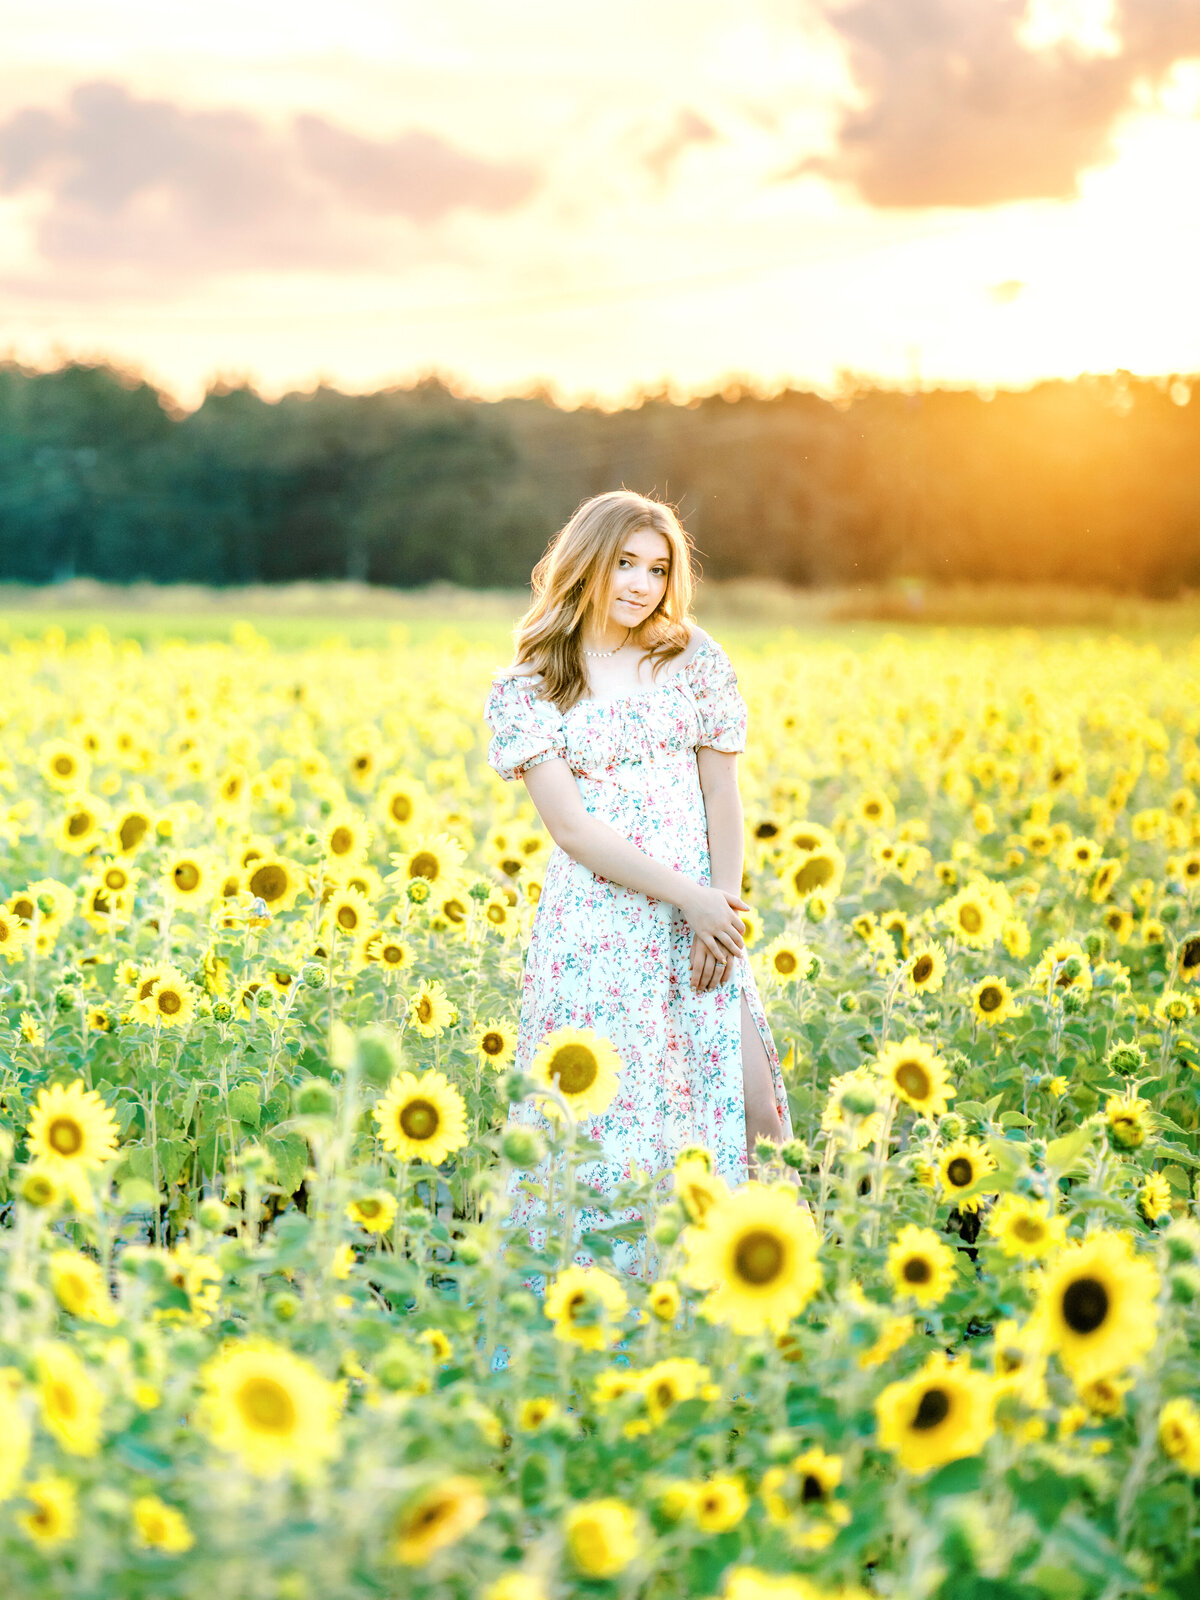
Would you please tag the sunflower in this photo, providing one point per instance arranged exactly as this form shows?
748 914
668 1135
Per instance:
1019 1366
698 1187
582 1066
158 1526
874 810
71 1403
1154 1197
79 1286
55 1515
1105 876
435 1517
668 1382
347 836
438 858
71 1133
1054 961
274 880
926 968
270 1408
375 1212
942 1413
807 872
856 1128
963 1164
664 1300
131 829
386 950
496 1043
917 1074
422 1119
1179 1433
1097 1306
41 1187
171 1001
64 766
403 803
1128 1120
348 913
786 959
719 1504
583 1303
13 935
499 912
971 917
992 1001
757 1256
798 1497
1027 1229
1187 960
430 1010
190 879
450 912
81 827
601 1537
921 1266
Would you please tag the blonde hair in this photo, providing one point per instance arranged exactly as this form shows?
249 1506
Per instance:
573 581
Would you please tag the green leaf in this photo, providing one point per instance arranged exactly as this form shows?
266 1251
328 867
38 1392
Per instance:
1014 1119
1063 1154
244 1105
289 1151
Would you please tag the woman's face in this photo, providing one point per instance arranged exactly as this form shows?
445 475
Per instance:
640 578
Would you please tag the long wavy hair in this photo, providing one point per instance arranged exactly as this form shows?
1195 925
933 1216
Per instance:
573 582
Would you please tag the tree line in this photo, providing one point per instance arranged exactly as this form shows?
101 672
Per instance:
1093 481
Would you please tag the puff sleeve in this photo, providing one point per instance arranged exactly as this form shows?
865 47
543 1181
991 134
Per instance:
713 682
525 730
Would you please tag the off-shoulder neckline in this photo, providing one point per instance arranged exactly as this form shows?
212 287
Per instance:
706 639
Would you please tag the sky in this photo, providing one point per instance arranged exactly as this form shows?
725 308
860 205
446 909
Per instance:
596 199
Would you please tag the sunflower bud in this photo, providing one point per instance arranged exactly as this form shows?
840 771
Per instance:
1093 943
313 975
469 1251
781 1446
1074 1003
816 908
254 1160
417 1219
524 1147
953 1126
795 1154
213 1216
45 904
1170 911
521 1306
848 1002
398 1367
765 1150
377 1058
64 1000
314 1098
480 889
669 1223
1185 1286
516 1086
419 890
859 1100
1071 968
222 1011
1126 1058
284 1306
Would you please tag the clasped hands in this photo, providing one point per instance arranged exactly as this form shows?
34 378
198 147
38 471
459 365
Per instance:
717 935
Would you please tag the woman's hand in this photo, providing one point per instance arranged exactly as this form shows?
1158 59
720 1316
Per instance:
716 926
707 971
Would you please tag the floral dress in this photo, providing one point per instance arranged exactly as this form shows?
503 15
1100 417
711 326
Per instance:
608 958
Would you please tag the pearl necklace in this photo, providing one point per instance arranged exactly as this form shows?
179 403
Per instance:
621 646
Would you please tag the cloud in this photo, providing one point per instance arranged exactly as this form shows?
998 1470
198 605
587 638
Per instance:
959 111
132 186
688 128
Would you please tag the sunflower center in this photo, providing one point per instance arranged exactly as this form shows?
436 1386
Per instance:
347 918
812 874
970 919
424 1009
62 1399
759 1257
65 1135
574 1068
922 969
267 1406
1085 1305
392 955
187 876
401 807
960 1172
1029 1229
114 880
64 766
423 865
269 882
169 1002
419 1119
785 961
340 841
79 824
811 1489
132 831
1191 954
933 1409
990 999
664 1395
913 1079
917 1270
492 1044
369 1208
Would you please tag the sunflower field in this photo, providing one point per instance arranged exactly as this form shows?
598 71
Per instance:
267 1329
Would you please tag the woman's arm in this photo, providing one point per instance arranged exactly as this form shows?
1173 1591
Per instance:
726 846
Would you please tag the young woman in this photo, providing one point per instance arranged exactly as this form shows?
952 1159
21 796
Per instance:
624 719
